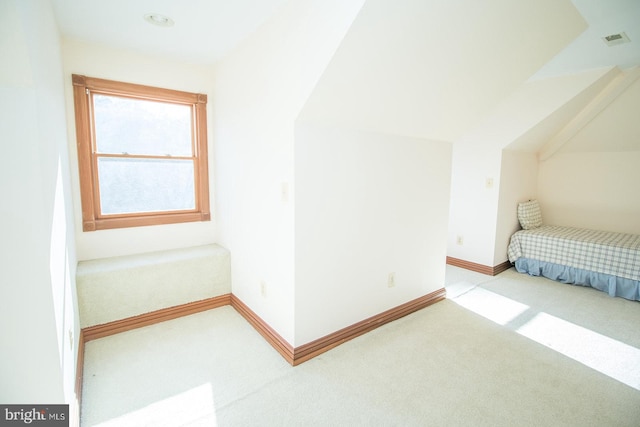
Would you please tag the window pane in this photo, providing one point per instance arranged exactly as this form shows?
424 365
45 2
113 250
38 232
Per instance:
145 185
136 126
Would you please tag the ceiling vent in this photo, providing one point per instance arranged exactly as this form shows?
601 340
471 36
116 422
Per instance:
616 39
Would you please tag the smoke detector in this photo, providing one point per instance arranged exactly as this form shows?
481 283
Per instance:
616 39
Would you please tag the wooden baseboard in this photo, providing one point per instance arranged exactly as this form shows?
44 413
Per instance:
123 325
269 334
479 268
293 356
497 269
297 355
326 343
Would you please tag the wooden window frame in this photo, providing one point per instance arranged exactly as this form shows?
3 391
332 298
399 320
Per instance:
92 218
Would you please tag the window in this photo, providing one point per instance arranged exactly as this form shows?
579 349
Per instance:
142 154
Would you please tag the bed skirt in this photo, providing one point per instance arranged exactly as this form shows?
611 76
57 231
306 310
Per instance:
613 285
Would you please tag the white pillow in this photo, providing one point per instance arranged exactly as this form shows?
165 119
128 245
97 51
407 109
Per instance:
529 214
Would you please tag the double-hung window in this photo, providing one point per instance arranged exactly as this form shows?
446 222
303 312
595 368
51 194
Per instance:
142 154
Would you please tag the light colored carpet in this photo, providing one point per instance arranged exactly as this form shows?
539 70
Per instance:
478 359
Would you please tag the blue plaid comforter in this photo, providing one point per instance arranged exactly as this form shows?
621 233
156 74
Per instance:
617 254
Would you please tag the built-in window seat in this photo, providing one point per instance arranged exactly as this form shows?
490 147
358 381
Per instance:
117 288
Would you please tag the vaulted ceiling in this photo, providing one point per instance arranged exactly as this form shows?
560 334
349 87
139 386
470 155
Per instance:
205 30
424 68
589 51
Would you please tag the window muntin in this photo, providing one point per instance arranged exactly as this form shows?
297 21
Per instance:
142 154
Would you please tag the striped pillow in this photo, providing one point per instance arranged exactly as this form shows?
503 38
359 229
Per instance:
529 214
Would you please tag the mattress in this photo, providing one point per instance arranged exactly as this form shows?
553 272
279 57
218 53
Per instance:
601 251
605 260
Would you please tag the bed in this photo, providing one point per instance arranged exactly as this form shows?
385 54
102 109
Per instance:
607 261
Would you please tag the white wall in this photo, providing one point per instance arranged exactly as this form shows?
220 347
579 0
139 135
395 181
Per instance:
404 69
593 180
597 190
518 183
474 203
367 205
114 64
483 215
260 90
38 338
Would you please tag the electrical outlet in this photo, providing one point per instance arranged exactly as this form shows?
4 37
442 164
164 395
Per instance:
460 240
391 280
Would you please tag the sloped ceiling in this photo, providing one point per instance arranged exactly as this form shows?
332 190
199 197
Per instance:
540 109
206 30
588 51
432 69
426 68
615 129
533 139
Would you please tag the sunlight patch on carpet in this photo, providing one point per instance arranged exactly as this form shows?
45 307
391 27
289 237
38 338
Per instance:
494 307
192 407
606 355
